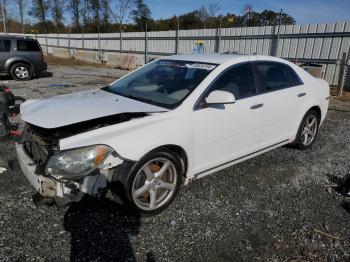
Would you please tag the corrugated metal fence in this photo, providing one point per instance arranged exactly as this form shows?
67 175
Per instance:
318 43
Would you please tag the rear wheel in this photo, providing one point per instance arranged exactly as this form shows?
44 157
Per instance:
308 130
153 182
21 72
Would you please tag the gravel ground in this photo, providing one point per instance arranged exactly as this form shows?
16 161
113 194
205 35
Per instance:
276 207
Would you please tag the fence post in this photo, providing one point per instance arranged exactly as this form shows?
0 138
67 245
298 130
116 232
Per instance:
46 43
346 81
146 43
177 41
120 41
177 37
342 74
217 40
82 40
69 44
274 41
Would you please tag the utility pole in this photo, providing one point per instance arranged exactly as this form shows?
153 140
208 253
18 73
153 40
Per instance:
3 15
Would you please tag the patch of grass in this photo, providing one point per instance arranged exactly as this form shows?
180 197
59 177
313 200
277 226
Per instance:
344 98
61 61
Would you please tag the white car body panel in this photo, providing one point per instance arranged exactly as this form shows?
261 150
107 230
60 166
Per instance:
78 107
212 138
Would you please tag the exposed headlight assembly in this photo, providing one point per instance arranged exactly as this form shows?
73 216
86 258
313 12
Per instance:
77 163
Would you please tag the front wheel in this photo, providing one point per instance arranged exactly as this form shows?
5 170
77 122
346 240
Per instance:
308 130
153 182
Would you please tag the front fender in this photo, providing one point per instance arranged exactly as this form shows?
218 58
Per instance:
135 138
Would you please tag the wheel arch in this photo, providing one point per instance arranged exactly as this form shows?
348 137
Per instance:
180 151
312 106
318 110
15 60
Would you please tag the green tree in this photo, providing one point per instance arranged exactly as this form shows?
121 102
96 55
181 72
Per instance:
74 6
122 6
105 13
57 13
140 14
39 10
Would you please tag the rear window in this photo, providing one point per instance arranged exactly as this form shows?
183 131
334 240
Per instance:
293 77
27 45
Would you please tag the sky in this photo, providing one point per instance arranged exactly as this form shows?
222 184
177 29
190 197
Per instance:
304 11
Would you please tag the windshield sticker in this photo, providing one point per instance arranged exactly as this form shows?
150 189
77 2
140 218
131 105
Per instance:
201 66
194 66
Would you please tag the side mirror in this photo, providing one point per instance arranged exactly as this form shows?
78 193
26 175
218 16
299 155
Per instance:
219 97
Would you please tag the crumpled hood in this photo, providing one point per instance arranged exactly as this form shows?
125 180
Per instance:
78 107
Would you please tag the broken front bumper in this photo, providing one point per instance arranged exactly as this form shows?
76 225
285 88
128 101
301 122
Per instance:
45 186
50 187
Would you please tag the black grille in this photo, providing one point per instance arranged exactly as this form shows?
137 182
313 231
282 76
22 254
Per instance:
37 150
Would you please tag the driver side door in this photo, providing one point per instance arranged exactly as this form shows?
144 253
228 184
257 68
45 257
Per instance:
225 132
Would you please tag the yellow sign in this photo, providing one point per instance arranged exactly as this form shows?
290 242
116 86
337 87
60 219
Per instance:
230 19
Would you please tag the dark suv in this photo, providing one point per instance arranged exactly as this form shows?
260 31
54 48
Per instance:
20 57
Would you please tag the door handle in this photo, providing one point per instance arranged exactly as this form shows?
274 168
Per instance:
257 106
301 94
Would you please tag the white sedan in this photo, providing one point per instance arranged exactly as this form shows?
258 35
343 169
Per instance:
179 118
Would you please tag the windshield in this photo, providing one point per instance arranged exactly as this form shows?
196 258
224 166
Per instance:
164 83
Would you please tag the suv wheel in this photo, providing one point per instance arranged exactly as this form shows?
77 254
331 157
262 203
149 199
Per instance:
308 130
153 182
21 72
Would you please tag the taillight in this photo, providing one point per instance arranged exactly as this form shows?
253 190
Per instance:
42 56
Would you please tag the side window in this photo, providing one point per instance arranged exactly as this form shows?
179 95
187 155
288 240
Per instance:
274 76
27 45
294 79
238 80
7 45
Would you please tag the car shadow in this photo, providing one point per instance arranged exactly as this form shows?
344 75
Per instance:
44 74
100 230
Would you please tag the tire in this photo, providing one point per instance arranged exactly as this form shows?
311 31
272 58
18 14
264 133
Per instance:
147 188
21 72
308 130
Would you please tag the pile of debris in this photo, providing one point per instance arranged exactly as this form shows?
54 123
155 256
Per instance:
341 186
9 107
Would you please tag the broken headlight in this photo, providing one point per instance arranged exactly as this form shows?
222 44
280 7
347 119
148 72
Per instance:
77 163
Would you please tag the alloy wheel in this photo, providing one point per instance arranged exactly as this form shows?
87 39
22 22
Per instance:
309 131
21 72
154 184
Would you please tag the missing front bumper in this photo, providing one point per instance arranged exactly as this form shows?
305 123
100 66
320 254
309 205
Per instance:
62 192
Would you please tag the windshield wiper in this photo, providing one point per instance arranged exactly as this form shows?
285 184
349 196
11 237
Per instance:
141 99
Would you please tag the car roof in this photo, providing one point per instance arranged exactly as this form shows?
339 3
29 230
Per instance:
214 58
2 36
219 58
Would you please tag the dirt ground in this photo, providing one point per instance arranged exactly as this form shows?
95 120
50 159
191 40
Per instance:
59 61
279 206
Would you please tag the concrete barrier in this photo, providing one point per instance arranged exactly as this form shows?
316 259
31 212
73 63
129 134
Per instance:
89 56
122 61
61 52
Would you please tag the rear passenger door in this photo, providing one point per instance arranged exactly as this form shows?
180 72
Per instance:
5 52
283 94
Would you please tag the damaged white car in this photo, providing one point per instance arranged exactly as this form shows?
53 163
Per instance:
171 121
